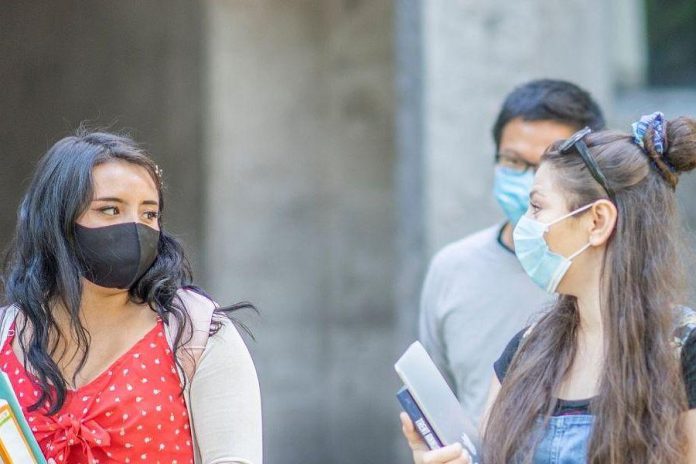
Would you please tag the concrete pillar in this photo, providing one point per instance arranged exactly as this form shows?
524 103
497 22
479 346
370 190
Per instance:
474 53
300 215
128 65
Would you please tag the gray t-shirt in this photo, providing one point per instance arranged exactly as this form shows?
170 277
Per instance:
476 297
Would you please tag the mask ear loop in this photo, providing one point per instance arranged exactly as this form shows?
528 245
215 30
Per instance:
579 252
572 213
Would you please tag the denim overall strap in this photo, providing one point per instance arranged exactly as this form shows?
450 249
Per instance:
565 440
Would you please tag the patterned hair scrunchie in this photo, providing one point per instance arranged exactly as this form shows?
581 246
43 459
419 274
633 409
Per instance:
657 122
657 156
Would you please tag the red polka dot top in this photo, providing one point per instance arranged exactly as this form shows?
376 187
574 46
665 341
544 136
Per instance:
132 412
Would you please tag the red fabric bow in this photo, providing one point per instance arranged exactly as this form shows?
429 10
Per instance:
66 431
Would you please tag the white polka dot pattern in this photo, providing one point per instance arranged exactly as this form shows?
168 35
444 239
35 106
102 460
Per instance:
131 413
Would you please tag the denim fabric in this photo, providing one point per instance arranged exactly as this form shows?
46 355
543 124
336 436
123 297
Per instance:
565 440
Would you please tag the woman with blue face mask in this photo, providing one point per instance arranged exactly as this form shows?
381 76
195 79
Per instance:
608 375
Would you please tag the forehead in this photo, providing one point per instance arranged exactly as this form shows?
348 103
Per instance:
544 178
529 139
122 176
548 185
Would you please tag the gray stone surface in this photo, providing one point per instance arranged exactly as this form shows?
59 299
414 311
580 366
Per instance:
475 52
300 215
128 65
410 163
317 152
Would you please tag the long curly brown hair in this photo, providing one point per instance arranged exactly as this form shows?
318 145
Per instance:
641 391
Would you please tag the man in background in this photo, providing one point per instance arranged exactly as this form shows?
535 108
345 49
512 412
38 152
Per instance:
476 296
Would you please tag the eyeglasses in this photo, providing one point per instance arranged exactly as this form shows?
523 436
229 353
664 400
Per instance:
575 142
514 163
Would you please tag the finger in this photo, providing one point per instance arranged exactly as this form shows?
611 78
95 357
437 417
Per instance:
414 439
409 430
406 422
451 454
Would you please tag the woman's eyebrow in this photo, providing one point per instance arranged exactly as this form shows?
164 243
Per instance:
118 200
535 193
510 152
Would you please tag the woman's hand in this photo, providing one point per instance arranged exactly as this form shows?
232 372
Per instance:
452 454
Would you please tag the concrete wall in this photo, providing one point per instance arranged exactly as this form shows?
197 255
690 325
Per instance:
133 65
317 151
469 55
475 52
299 165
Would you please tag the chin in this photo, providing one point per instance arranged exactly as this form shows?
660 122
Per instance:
564 290
104 290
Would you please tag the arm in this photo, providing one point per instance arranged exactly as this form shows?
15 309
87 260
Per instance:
429 330
493 391
451 454
226 402
690 429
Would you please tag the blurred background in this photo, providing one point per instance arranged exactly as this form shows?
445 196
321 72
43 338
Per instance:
318 152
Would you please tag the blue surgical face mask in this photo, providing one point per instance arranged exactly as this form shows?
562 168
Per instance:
543 266
511 189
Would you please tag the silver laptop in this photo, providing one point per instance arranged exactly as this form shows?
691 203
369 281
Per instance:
435 399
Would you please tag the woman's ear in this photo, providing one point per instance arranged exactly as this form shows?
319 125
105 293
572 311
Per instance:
603 215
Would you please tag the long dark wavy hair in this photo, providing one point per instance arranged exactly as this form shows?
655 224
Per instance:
641 389
42 267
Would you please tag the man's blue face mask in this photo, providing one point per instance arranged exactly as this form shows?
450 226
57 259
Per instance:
511 188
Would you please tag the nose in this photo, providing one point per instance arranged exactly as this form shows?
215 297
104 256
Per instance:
131 214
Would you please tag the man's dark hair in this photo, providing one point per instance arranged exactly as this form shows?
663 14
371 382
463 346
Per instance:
549 100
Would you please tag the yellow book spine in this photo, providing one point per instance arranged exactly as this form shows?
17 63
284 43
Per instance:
6 416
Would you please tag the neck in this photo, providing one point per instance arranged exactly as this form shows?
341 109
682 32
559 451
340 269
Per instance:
98 302
589 307
590 314
100 307
506 236
588 291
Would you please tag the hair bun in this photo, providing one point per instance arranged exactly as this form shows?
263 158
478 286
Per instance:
681 144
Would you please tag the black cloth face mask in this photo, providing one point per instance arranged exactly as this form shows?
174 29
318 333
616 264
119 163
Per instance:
116 256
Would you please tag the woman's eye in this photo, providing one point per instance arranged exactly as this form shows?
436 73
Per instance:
534 207
152 215
109 210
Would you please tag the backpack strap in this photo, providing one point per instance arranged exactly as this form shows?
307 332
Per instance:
7 316
685 324
200 309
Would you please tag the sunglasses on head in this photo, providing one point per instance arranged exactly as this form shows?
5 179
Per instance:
575 143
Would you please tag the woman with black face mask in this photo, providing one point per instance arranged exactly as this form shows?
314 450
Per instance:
114 355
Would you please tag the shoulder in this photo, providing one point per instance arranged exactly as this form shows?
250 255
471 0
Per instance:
461 251
195 301
685 342
227 352
228 336
503 363
199 308
225 400
688 364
